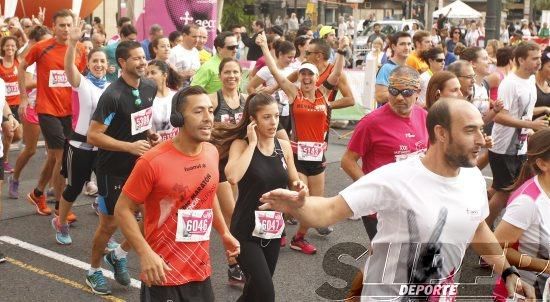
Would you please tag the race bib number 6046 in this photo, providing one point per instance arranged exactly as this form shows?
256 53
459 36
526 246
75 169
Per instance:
194 225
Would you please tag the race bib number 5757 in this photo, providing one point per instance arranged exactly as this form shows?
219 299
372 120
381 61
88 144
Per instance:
142 120
194 225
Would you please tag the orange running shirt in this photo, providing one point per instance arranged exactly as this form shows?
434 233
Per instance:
9 75
322 78
310 119
53 89
165 180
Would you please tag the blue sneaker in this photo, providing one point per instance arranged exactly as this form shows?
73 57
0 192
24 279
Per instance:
98 284
119 268
61 232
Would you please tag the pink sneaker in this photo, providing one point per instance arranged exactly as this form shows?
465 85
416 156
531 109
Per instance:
8 168
283 241
302 245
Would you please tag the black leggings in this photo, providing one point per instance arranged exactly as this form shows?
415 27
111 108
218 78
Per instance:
258 265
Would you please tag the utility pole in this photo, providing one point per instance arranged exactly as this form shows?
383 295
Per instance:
492 20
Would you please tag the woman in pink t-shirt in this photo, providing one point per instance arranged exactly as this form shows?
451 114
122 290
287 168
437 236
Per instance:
525 226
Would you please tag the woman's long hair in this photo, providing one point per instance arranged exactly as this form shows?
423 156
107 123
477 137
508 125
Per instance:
538 146
224 133
436 86
174 80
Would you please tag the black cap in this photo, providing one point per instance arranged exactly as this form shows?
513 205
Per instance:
277 29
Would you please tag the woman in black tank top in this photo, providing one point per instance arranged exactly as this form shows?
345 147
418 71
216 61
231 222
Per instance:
258 163
228 105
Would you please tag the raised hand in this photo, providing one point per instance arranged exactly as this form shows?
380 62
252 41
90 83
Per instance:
261 40
76 30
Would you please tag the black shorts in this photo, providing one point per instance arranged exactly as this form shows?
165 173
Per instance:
55 129
189 292
1 172
310 168
15 111
109 188
77 167
505 169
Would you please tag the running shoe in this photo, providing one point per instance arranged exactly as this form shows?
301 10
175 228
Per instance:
95 206
61 232
90 188
39 203
302 245
2 258
7 167
235 275
324 231
283 241
98 284
119 268
71 217
13 187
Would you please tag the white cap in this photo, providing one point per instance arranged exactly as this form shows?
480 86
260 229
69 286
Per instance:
309 67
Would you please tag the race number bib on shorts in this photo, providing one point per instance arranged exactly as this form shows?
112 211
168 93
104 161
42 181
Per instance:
310 151
12 89
194 225
142 120
58 79
269 224
168 134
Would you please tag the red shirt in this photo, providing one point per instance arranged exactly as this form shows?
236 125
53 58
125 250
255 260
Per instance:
53 89
9 75
165 180
311 122
322 78
383 137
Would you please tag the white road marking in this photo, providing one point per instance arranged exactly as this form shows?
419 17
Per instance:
60 257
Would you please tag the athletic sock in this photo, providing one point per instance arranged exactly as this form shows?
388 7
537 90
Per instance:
37 192
92 270
120 253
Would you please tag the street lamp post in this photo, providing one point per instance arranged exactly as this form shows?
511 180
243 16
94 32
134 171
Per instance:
492 20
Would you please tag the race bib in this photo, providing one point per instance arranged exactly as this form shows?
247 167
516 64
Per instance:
12 89
269 224
168 134
194 225
58 79
310 151
142 120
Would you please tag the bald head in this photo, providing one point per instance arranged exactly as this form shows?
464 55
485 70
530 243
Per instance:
440 113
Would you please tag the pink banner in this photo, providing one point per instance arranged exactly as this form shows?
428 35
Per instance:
174 14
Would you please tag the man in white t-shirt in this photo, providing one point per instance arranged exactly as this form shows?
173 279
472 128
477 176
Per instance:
185 56
513 124
423 205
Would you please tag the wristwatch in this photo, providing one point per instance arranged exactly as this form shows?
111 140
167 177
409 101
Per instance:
511 270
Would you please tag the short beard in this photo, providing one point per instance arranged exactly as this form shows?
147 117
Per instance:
457 160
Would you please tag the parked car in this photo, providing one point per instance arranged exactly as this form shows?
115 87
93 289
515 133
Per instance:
389 27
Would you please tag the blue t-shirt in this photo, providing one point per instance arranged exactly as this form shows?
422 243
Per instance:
382 78
449 59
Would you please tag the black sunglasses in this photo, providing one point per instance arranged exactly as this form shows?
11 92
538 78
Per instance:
405 92
232 47
439 60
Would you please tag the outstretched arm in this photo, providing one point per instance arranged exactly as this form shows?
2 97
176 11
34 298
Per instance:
340 62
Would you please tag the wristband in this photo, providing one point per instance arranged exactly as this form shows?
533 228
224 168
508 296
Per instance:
342 52
511 270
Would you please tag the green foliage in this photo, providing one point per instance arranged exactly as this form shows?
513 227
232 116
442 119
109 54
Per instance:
542 4
233 13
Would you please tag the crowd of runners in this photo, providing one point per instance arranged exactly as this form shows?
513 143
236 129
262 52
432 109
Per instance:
161 132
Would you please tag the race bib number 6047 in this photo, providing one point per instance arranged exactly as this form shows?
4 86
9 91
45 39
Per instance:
194 225
268 224
142 120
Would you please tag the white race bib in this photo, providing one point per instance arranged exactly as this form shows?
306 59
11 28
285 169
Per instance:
12 89
194 225
269 224
142 120
168 134
311 151
58 79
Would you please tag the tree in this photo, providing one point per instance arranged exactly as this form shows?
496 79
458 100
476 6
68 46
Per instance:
233 13
542 4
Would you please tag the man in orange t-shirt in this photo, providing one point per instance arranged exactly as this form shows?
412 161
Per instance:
53 103
176 183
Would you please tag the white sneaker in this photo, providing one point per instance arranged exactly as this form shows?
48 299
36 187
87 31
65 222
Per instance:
90 188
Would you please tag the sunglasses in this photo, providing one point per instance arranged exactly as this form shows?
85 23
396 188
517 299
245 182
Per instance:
135 93
307 52
405 92
439 60
232 47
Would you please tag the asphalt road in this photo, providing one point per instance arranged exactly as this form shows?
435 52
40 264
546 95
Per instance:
38 269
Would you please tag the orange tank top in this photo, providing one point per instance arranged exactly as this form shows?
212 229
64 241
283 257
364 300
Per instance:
309 119
9 75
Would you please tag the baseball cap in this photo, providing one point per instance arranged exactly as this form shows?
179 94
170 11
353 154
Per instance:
325 30
309 67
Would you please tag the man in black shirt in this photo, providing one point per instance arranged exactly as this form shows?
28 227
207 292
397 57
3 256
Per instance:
254 51
120 128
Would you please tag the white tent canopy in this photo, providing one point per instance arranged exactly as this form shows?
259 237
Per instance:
459 10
